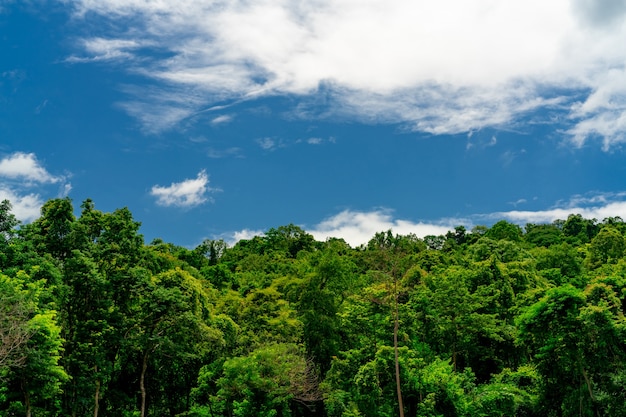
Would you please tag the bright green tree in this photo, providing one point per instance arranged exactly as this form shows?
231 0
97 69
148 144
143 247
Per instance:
31 370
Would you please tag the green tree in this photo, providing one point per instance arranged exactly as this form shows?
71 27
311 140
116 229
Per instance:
578 229
543 234
90 334
505 230
271 381
569 331
606 247
172 325
31 369
455 320
51 231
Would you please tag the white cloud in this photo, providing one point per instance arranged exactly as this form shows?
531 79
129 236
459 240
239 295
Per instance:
19 173
65 189
358 227
161 107
224 153
442 67
24 166
188 193
223 119
267 143
616 209
593 206
244 234
25 207
101 49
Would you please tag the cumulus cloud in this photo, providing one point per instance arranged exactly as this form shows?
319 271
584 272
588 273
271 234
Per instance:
441 67
358 227
20 173
25 207
244 234
187 193
24 166
593 206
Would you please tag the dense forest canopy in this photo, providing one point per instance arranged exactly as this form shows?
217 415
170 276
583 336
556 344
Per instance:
494 321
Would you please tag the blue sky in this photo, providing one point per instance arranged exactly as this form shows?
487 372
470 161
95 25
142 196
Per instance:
222 119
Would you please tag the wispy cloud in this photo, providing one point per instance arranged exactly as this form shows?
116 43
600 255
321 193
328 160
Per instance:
224 153
314 141
446 67
508 157
160 107
267 144
101 49
187 193
223 119
4 4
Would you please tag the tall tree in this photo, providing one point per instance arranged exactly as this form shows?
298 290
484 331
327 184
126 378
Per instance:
31 366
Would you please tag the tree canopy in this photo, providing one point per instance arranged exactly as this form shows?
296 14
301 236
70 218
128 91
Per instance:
497 321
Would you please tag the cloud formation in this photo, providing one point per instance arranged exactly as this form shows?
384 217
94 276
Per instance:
188 193
24 166
21 172
101 49
26 207
593 206
441 67
359 227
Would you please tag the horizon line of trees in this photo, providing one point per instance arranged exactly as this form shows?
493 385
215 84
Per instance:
495 321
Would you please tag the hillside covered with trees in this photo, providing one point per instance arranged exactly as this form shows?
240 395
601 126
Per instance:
496 321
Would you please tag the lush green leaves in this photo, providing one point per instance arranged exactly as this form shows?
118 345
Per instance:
498 321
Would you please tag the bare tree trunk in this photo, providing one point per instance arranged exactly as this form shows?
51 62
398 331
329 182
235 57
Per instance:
27 404
96 406
593 398
395 347
142 385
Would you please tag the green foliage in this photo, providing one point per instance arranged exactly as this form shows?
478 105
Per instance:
578 229
504 230
544 235
489 323
31 348
606 247
263 383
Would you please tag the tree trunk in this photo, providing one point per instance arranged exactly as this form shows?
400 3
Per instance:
96 399
26 396
142 385
27 404
395 347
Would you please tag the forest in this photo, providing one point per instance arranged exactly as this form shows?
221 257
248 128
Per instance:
490 322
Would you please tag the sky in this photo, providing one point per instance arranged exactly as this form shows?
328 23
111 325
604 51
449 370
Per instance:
215 119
